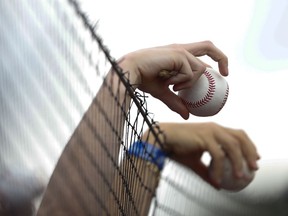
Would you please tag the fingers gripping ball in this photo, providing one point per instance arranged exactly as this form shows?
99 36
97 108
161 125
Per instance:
207 96
230 182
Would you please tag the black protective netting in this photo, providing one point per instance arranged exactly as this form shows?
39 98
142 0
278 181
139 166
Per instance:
63 143
53 46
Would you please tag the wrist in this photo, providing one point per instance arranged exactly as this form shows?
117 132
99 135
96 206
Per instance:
165 133
148 152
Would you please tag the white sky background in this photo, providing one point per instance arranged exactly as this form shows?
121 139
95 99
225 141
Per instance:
253 34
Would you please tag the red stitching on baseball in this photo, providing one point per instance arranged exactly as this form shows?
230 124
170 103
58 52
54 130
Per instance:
225 98
209 95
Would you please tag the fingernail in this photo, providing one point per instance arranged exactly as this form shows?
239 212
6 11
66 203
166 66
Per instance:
185 116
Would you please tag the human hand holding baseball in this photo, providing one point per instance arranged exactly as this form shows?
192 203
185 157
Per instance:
187 142
145 67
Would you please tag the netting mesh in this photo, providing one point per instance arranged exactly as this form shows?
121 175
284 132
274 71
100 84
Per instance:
91 176
56 49
53 64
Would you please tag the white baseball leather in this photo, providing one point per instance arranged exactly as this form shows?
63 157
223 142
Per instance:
208 95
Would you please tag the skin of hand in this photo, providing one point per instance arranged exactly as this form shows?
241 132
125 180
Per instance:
187 142
181 59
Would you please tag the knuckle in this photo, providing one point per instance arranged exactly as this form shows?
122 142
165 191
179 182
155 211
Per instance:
235 144
213 125
241 132
189 77
202 68
220 156
208 44
177 47
174 45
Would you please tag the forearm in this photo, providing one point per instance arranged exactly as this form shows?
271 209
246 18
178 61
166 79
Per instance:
81 182
136 189
85 172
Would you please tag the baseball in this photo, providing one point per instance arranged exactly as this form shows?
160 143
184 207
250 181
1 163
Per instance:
230 182
207 96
